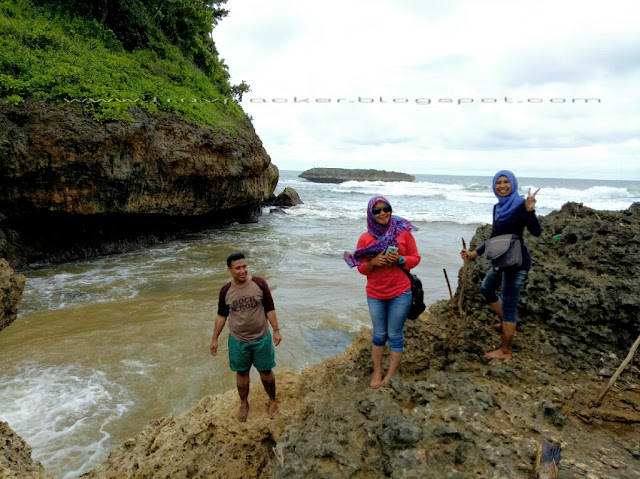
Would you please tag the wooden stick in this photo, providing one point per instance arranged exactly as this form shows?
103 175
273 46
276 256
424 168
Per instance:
615 377
463 282
450 320
448 284
463 316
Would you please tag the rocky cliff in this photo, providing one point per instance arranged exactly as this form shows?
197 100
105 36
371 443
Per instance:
72 187
450 414
340 175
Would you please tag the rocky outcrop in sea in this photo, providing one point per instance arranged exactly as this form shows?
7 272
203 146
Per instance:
450 414
340 175
288 198
71 187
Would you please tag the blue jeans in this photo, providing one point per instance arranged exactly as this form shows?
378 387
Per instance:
388 317
511 282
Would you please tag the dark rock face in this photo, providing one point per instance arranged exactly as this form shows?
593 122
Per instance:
71 187
11 287
340 175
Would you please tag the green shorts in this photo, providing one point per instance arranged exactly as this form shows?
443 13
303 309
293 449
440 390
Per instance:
260 353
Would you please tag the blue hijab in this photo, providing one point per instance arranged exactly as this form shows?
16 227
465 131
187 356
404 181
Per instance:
507 205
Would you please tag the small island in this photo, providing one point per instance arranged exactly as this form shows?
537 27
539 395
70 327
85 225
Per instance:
340 175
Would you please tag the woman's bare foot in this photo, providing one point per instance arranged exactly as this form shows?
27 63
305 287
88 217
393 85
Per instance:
498 354
395 358
386 380
243 412
376 381
272 408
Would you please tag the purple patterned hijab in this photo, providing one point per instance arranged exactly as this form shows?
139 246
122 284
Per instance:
386 235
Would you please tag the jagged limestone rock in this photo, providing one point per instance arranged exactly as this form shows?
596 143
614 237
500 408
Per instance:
15 457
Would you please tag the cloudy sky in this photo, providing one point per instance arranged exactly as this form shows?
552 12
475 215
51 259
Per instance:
441 87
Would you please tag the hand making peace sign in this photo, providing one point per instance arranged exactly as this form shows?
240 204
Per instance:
530 200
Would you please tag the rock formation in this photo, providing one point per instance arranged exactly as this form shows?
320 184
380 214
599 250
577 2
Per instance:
15 457
288 198
340 175
450 414
71 187
11 287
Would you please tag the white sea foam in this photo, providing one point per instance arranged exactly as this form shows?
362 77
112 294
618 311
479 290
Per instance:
597 197
347 200
373 188
53 407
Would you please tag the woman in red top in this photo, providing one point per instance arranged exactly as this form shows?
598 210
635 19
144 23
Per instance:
388 288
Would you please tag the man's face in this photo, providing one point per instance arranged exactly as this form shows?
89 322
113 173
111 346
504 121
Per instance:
239 271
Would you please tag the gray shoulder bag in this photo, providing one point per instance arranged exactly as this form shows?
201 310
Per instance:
504 251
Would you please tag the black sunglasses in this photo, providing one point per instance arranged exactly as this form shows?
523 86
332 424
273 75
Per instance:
376 211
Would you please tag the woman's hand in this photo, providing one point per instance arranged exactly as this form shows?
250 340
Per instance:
380 260
530 200
466 254
392 257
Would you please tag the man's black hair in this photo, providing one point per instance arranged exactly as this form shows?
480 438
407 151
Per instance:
234 257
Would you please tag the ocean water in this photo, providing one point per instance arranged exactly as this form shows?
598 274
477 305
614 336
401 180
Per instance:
103 346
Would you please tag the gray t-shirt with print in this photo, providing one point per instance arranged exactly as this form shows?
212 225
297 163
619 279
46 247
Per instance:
246 308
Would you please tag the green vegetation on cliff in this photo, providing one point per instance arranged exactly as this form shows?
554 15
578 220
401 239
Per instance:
156 55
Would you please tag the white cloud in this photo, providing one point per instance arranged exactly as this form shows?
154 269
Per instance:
410 83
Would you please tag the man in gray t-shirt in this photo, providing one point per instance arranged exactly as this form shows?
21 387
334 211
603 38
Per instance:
246 301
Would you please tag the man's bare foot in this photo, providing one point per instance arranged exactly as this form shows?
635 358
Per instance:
243 412
499 354
376 381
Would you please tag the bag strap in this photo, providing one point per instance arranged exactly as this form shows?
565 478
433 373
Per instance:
405 272
493 223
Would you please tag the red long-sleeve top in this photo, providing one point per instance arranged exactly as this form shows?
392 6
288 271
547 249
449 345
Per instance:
386 282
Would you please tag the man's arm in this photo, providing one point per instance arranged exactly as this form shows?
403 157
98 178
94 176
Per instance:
273 321
217 329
